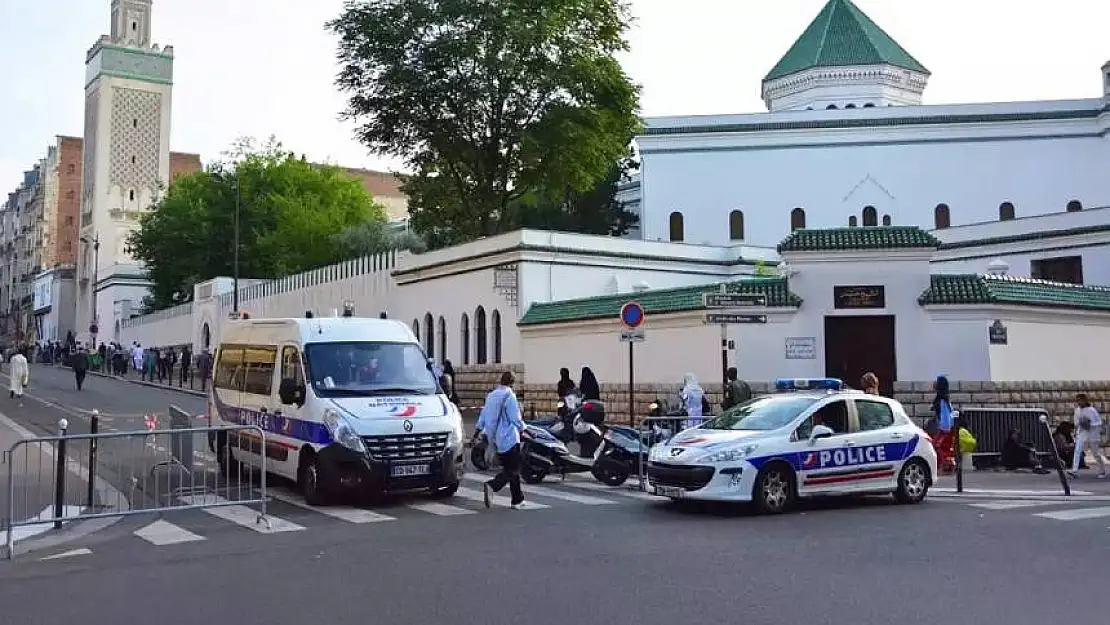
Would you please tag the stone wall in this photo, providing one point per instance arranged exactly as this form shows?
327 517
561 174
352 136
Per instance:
1058 398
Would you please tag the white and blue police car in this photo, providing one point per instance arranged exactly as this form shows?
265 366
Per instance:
812 438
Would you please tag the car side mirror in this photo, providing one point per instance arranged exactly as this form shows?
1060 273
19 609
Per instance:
819 432
290 392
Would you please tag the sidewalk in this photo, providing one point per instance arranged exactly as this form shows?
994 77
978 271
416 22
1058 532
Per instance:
133 380
1021 484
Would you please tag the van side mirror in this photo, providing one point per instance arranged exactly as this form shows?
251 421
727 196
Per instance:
819 432
290 392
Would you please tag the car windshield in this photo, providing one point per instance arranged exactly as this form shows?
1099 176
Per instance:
763 413
363 369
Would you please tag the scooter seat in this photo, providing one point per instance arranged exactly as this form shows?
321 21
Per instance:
542 423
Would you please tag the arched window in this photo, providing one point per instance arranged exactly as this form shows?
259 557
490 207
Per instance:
797 219
1074 206
850 106
1005 211
677 227
941 218
480 344
886 220
464 339
206 336
416 328
869 105
442 339
495 321
870 216
852 221
429 336
736 226
831 107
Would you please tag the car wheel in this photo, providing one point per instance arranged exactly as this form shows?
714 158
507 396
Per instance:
774 489
311 482
445 492
913 482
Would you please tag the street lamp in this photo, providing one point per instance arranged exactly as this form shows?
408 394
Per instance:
235 250
95 242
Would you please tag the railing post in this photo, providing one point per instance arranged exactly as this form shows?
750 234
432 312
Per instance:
60 478
94 428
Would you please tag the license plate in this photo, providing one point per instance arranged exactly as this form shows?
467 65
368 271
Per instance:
409 470
669 491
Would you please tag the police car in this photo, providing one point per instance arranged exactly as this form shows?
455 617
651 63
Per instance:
812 438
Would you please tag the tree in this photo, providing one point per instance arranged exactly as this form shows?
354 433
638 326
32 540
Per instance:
488 102
290 211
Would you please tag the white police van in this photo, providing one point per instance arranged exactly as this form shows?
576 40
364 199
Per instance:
813 438
345 403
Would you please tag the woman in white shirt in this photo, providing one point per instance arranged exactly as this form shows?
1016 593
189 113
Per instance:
1088 425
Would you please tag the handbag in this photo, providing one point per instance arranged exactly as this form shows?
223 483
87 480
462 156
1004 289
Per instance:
1084 422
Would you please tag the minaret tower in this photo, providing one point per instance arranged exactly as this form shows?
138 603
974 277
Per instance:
128 92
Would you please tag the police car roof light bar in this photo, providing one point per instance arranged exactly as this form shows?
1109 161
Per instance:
808 384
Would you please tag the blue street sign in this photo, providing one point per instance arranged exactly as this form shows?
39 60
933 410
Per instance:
632 315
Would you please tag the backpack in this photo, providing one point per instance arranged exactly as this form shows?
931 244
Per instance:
1084 422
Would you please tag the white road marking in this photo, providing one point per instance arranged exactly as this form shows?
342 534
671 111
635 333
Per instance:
499 501
440 509
241 515
1011 505
616 490
68 554
1002 492
165 533
46 522
1077 514
350 515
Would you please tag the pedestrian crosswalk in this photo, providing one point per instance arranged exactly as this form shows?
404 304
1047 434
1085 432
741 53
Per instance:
288 512
1051 509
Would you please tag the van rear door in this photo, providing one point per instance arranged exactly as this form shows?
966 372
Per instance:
227 382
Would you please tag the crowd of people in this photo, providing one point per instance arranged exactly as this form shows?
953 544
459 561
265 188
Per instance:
164 365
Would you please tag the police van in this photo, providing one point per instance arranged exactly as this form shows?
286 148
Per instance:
812 438
347 405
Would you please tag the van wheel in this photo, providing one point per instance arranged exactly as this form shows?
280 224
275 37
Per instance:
774 489
310 481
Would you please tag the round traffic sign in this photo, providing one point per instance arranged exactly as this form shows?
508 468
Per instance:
632 315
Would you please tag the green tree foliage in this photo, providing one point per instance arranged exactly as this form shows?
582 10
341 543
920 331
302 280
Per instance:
490 103
291 212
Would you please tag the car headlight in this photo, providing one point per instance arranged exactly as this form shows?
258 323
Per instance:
729 455
342 431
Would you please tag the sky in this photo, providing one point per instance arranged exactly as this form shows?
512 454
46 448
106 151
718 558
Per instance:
266 67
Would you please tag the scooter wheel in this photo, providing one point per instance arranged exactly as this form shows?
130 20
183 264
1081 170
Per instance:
532 476
610 478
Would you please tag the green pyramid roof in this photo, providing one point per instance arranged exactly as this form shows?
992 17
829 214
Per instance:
841 35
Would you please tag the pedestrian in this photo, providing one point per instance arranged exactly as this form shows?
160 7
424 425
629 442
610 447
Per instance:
693 399
737 392
870 383
1089 423
588 385
186 365
501 423
944 442
447 380
20 374
80 366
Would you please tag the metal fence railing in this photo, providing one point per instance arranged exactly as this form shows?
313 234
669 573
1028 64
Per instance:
52 479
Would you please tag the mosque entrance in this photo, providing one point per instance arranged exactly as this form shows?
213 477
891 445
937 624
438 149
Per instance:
855 345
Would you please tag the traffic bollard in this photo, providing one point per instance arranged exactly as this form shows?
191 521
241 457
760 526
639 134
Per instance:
94 428
959 457
60 478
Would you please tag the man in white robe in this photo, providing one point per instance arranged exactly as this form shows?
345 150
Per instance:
20 372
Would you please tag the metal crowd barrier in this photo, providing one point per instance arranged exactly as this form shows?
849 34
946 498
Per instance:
151 471
991 427
651 435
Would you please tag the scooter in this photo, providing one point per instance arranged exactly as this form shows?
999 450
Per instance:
616 453
562 425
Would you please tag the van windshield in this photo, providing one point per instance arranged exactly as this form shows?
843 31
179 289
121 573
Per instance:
362 369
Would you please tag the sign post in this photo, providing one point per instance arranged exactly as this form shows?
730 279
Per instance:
725 300
632 316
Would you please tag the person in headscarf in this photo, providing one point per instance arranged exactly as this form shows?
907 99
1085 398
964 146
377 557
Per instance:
693 398
447 380
566 385
945 416
588 385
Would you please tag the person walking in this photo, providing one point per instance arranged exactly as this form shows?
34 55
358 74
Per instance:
737 392
80 366
20 374
1089 422
502 424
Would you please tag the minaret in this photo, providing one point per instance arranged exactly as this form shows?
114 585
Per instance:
128 92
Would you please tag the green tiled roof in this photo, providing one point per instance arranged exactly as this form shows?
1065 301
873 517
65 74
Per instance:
992 289
656 301
841 35
865 238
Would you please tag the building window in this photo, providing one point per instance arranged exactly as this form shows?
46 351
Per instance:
429 336
70 194
134 26
71 168
677 228
69 220
941 218
797 219
1005 211
442 339
870 216
736 226
850 106
1061 269
1074 206
869 105
132 159
831 107
131 195
464 339
416 328
886 220
852 223
495 321
480 344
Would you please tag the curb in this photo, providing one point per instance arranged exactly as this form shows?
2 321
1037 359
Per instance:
168 387
78 528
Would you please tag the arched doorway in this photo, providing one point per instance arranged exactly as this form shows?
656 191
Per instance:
205 336
480 343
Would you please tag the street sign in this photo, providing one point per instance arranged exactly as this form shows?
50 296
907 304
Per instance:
732 300
632 315
633 336
730 318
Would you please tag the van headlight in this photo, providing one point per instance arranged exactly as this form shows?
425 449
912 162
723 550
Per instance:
342 431
729 455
